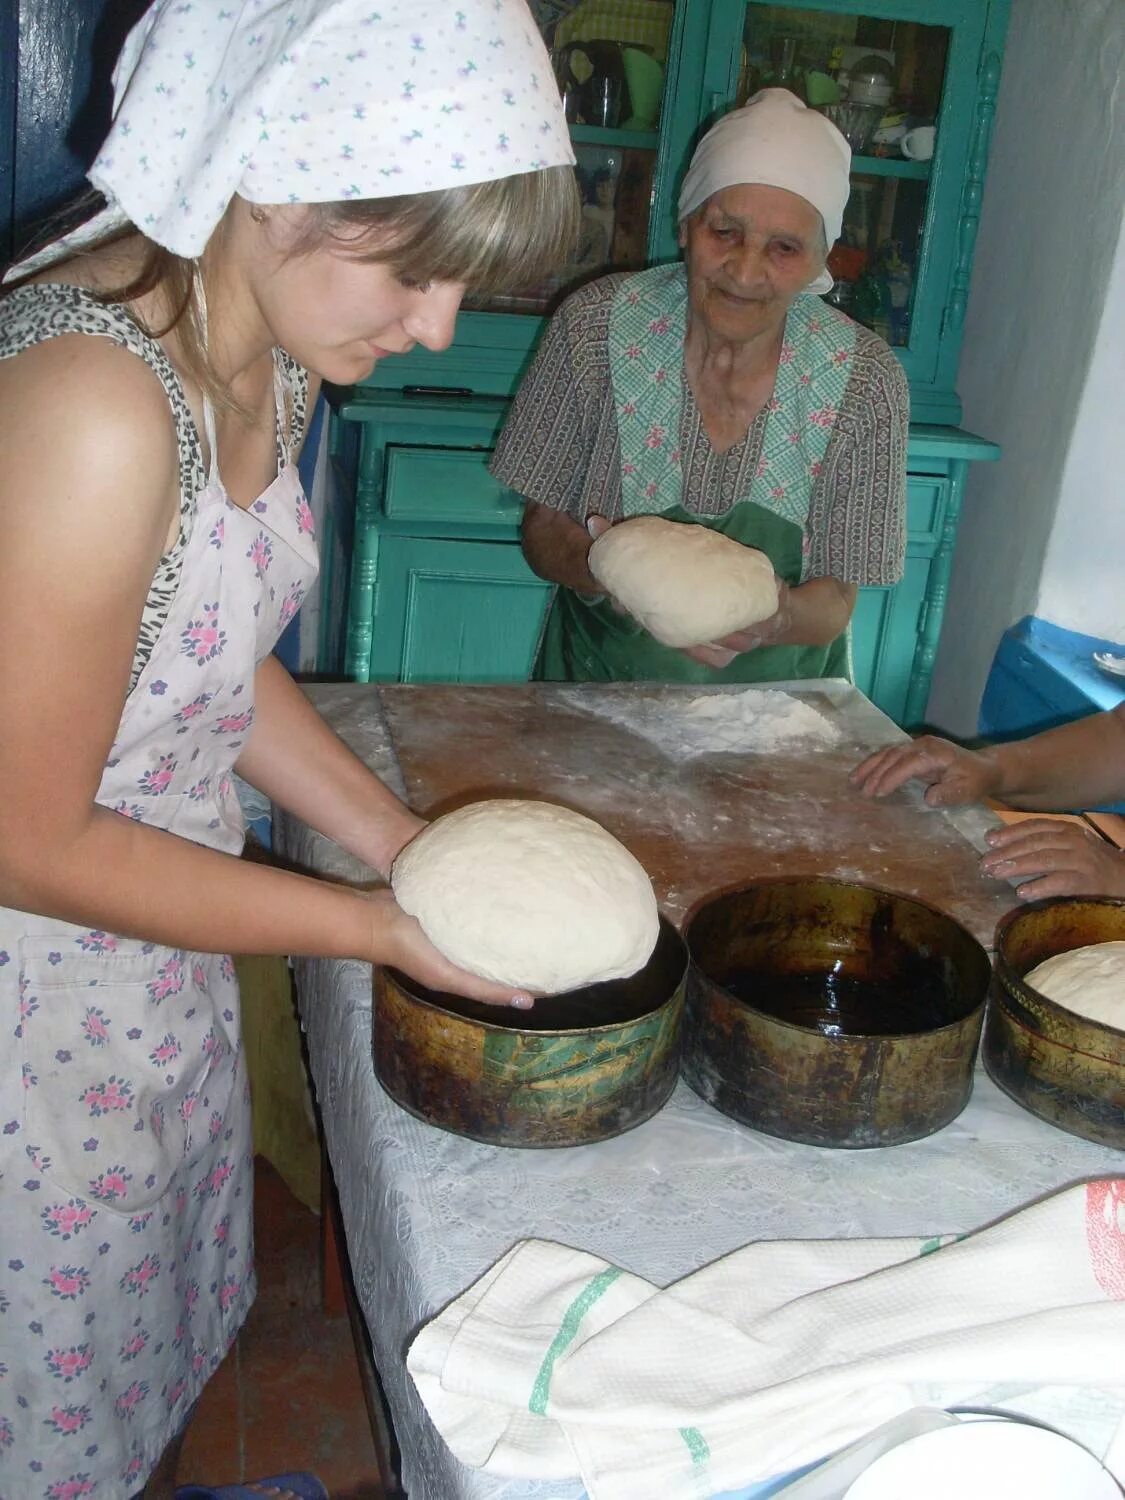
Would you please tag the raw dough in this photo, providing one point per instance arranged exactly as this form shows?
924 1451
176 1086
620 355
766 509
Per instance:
1089 981
528 894
686 584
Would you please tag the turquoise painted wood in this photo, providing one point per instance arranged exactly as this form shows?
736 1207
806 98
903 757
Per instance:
454 611
446 596
885 635
438 586
407 484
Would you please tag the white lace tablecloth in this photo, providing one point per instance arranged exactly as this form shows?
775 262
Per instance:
425 1213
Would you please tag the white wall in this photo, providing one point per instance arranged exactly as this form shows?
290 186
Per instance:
1049 235
1083 582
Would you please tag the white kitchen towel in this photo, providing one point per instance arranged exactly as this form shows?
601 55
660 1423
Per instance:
556 1364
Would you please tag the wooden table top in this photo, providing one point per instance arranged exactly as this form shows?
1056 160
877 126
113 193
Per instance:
700 824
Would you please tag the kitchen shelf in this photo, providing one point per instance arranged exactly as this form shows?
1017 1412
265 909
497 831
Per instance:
596 135
889 166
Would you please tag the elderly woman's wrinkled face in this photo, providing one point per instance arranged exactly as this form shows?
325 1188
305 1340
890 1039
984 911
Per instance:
750 250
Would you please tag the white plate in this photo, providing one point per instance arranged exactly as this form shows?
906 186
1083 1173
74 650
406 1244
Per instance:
986 1461
1108 662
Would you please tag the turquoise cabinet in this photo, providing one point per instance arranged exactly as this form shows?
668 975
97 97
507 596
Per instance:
454 611
441 591
438 586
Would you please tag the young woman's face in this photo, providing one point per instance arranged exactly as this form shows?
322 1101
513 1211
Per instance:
335 313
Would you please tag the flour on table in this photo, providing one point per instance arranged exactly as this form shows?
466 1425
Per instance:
756 722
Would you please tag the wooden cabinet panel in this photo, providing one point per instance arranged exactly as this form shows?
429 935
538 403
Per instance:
434 485
885 637
455 611
925 507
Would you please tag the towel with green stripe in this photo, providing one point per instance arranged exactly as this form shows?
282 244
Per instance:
556 1365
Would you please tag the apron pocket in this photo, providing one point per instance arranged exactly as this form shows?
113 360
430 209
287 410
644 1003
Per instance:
127 1070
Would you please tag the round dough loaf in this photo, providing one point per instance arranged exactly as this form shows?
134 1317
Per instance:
528 894
687 585
1089 981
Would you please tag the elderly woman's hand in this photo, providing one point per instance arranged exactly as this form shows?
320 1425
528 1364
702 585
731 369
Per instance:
598 526
719 654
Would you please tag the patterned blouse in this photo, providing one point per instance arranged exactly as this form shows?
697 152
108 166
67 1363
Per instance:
560 446
43 310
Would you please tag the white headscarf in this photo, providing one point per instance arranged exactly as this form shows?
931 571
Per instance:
777 141
314 101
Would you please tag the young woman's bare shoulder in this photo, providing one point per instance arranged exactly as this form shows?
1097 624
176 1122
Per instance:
81 400
89 461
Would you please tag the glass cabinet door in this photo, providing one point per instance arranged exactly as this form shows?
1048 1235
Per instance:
880 81
902 90
610 59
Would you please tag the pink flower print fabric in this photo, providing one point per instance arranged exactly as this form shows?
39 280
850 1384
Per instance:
260 553
647 326
158 778
291 603
125 1145
68 1282
202 639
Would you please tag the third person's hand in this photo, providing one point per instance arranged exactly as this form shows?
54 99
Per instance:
1048 857
952 775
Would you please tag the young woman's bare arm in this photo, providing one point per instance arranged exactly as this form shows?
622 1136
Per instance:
86 503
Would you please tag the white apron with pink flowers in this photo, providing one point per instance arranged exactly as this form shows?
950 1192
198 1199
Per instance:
126 1257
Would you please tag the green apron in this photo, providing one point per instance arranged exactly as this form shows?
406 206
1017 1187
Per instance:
587 640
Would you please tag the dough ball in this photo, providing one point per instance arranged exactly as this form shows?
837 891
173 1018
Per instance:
528 894
1089 981
686 584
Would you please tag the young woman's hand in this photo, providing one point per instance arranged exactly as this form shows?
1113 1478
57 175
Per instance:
395 833
952 776
398 941
1047 857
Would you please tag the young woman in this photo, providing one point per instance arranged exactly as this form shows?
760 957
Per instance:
155 373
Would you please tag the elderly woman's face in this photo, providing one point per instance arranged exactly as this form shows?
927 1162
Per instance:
749 250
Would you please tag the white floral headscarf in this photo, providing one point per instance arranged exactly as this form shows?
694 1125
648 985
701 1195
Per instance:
313 101
778 141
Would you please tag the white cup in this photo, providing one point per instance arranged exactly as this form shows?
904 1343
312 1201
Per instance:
918 144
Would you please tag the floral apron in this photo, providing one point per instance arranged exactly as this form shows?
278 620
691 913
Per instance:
126 1255
588 640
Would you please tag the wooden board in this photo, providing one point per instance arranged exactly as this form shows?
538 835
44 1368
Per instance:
701 824
1111 826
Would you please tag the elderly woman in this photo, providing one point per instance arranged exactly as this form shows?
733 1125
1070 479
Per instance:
294 192
722 392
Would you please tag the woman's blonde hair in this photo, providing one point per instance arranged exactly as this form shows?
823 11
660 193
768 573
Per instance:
509 232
